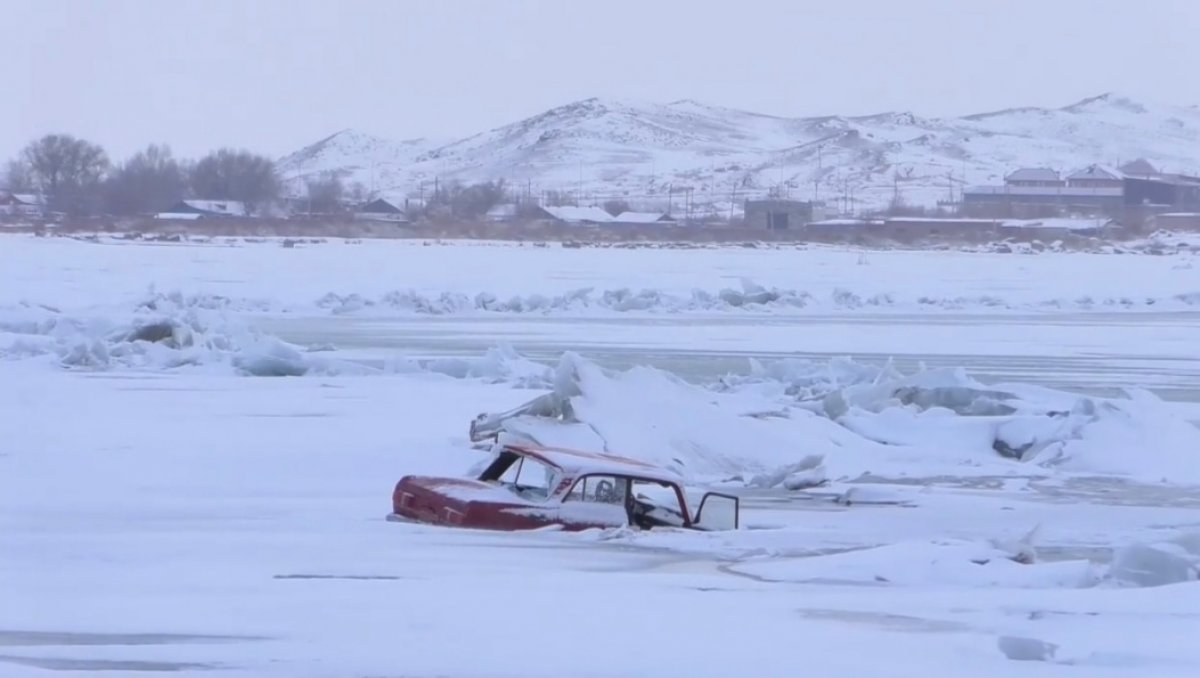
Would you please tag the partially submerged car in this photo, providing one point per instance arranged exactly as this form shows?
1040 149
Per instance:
530 487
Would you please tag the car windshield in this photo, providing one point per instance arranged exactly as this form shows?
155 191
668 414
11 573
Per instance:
530 478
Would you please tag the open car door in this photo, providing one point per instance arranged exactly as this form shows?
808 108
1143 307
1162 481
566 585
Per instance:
717 512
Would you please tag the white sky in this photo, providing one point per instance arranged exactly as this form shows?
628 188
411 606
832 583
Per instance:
274 75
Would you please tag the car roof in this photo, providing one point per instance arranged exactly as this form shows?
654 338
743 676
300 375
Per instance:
580 462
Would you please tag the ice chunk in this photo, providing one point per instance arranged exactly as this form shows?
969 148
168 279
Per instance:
1145 565
1027 649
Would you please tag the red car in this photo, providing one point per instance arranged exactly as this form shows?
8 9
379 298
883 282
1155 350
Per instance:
528 487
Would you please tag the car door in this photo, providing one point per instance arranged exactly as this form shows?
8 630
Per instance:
595 501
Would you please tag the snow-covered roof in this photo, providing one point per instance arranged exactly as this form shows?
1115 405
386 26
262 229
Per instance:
178 216
1095 172
841 222
936 220
579 462
1067 191
641 217
1033 174
1062 223
380 206
576 215
27 198
233 208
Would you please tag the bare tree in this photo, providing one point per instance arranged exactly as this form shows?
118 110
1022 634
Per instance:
555 198
357 192
616 207
17 177
229 174
466 202
149 181
67 171
325 195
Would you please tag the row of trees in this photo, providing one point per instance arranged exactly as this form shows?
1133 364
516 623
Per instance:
76 177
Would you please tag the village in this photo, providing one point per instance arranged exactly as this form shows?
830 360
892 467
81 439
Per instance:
1033 202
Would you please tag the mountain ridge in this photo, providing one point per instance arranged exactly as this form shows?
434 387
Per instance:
647 153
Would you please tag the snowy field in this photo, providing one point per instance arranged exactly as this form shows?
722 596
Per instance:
949 463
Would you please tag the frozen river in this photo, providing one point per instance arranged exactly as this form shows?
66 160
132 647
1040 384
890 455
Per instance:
1094 353
162 511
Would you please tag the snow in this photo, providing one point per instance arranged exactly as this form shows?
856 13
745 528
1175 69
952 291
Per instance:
1067 224
170 500
578 215
637 150
224 207
1033 174
639 217
391 277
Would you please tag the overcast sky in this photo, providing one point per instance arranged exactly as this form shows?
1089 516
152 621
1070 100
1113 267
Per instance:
274 75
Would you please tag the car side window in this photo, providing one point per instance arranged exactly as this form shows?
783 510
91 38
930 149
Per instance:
599 489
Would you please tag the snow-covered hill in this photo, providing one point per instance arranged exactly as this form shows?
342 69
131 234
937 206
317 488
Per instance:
642 152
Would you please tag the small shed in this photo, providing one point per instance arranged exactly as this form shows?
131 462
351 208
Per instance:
779 215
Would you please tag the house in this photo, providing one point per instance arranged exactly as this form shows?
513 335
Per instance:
934 227
381 210
1031 199
1095 176
1178 192
780 215
1034 176
205 209
643 219
842 228
21 204
581 216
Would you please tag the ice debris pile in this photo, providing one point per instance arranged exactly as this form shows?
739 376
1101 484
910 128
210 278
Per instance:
793 423
175 332
749 296
163 332
799 424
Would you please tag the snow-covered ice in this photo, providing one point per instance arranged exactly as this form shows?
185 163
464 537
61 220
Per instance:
182 489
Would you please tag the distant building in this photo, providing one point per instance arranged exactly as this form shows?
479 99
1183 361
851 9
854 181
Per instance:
381 210
841 228
1034 176
579 216
643 219
931 226
204 209
1095 176
21 204
780 215
1174 221
1177 192
1057 227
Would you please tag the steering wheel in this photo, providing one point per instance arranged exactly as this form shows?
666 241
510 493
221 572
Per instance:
605 491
